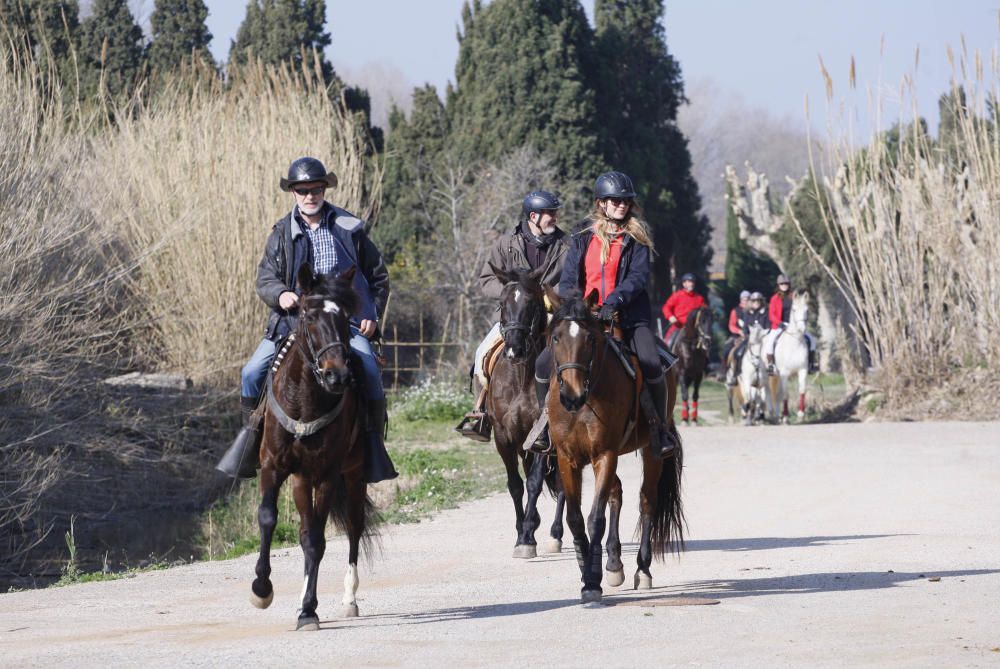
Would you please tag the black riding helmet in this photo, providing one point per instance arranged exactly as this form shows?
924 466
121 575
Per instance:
613 184
538 201
306 169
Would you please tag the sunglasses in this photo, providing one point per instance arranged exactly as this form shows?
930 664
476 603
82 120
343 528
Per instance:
619 200
318 190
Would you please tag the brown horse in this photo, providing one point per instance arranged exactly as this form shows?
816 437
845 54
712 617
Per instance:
594 417
513 408
313 434
691 345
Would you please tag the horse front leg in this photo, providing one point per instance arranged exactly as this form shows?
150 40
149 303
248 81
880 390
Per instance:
572 479
312 538
803 374
262 591
685 411
556 531
694 400
614 568
515 486
604 476
534 465
357 492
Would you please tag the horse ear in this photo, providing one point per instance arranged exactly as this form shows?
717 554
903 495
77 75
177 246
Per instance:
306 279
537 274
499 273
593 300
553 297
348 275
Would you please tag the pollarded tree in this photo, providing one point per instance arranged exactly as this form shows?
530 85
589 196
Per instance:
179 34
524 77
639 91
111 49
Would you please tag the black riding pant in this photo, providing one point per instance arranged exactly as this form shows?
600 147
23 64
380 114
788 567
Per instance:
640 339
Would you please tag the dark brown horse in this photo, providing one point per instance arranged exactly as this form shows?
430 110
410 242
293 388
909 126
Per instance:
691 346
594 417
313 434
513 408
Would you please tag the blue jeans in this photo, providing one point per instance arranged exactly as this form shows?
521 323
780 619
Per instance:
255 371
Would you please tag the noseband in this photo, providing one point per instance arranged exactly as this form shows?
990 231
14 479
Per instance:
586 369
314 355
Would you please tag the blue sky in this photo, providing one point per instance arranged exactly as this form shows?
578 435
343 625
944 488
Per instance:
766 51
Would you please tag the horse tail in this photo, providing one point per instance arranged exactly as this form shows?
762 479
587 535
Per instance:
340 514
668 516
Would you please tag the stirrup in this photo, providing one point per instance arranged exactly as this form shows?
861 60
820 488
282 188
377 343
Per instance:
476 426
541 446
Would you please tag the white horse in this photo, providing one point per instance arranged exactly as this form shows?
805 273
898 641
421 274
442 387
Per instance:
791 356
753 377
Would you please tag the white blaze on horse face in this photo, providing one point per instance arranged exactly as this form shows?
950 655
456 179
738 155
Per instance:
350 585
517 294
574 328
331 307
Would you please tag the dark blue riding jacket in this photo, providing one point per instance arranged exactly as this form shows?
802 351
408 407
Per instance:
629 295
288 248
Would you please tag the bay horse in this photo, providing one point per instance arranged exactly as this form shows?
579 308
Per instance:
791 356
752 388
313 433
512 407
691 346
595 417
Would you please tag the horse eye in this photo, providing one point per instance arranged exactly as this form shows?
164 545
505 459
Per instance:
555 339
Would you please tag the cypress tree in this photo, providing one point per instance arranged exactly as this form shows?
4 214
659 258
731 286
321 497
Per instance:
179 34
640 90
284 31
524 77
414 151
47 28
111 45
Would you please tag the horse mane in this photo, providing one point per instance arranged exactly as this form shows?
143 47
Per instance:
341 291
574 308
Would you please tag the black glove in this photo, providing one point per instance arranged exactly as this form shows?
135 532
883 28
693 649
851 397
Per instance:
607 313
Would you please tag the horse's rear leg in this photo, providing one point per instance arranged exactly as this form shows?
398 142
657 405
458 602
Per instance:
685 410
614 568
261 591
312 538
356 492
651 469
694 401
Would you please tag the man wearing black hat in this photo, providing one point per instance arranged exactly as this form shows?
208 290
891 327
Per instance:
331 240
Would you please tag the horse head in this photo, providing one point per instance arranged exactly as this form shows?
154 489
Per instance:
324 329
522 310
799 315
574 338
698 328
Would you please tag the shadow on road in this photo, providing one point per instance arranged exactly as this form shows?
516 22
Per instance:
797 584
457 613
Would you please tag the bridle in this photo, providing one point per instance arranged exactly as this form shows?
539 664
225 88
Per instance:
586 369
313 356
528 328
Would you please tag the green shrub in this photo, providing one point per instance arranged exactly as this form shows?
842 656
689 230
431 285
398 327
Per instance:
431 400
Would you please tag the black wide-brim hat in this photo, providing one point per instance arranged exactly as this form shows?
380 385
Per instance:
305 170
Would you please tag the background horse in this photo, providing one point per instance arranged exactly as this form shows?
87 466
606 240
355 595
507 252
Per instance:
691 346
594 417
313 434
751 388
513 408
791 356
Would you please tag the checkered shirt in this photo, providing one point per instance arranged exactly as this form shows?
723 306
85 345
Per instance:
324 251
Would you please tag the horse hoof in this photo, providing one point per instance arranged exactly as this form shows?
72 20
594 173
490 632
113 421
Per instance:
525 551
307 624
349 611
590 596
261 602
552 546
615 578
642 581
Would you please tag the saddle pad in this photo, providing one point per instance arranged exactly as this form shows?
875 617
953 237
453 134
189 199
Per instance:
491 357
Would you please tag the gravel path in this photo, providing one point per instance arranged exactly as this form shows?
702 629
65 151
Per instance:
826 545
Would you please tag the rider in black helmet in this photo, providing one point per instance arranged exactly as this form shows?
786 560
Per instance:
536 241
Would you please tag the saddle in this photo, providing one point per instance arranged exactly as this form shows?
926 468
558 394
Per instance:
491 358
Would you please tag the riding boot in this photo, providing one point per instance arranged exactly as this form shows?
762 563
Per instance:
813 361
771 369
664 445
241 459
541 444
377 466
731 375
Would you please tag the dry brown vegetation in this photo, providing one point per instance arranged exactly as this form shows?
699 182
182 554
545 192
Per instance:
914 227
132 243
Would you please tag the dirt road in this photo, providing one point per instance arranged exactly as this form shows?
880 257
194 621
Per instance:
827 545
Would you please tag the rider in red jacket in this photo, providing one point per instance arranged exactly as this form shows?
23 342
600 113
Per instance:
680 304
779 311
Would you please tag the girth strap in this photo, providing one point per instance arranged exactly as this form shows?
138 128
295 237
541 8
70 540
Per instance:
299 428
